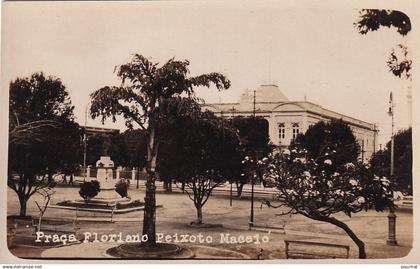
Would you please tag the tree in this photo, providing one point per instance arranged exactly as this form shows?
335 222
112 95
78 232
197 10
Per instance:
253 133
129 148
26 172
64 150
329 136
94 148
317 188
39 98
254 139
202 152
140 99
403 160
181 115
373 20
41 127
31 132
99 145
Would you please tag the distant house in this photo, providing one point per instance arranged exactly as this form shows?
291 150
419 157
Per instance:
286 119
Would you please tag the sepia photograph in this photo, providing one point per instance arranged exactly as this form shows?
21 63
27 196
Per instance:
207 131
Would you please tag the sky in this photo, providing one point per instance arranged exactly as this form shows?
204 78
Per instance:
309 51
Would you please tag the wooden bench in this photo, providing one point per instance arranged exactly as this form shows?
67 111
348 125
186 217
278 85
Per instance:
61 228
58 229
278 228
315 250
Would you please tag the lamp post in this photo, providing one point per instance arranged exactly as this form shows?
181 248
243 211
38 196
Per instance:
231 193
392 218
231 182
255 157
85 145
251 219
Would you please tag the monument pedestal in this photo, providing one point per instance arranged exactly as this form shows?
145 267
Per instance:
107 182
108 201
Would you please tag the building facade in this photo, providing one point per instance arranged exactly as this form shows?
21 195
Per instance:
286 119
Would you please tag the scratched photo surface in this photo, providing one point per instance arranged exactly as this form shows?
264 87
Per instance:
207 131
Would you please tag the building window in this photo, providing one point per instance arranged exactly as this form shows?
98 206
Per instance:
295 129
282 131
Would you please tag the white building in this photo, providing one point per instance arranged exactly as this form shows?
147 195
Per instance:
288 118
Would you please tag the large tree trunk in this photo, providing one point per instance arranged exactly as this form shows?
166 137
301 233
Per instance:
149 220
199 214
239 188
50 179
168 186
22 201
356 240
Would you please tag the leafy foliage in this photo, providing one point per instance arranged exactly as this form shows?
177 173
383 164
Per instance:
317 188
255 143
89 189
253 133
146 91
131 150
39 98
122 188
145 86
403 161
201 152
334 136
373 19
399 63
198 146
41 127
128 149
31 132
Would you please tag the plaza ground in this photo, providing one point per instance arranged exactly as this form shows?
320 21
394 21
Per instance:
177 212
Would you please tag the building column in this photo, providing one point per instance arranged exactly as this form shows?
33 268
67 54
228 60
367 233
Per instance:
118 174
305 123
273 131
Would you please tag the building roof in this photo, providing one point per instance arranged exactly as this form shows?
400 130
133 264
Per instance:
267 93
270 99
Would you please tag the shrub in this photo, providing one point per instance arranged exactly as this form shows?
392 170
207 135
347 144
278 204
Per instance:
122 187
89 189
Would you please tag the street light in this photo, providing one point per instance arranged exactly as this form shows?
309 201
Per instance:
231 182
392 218
255 157
231 193
85 145
251 219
